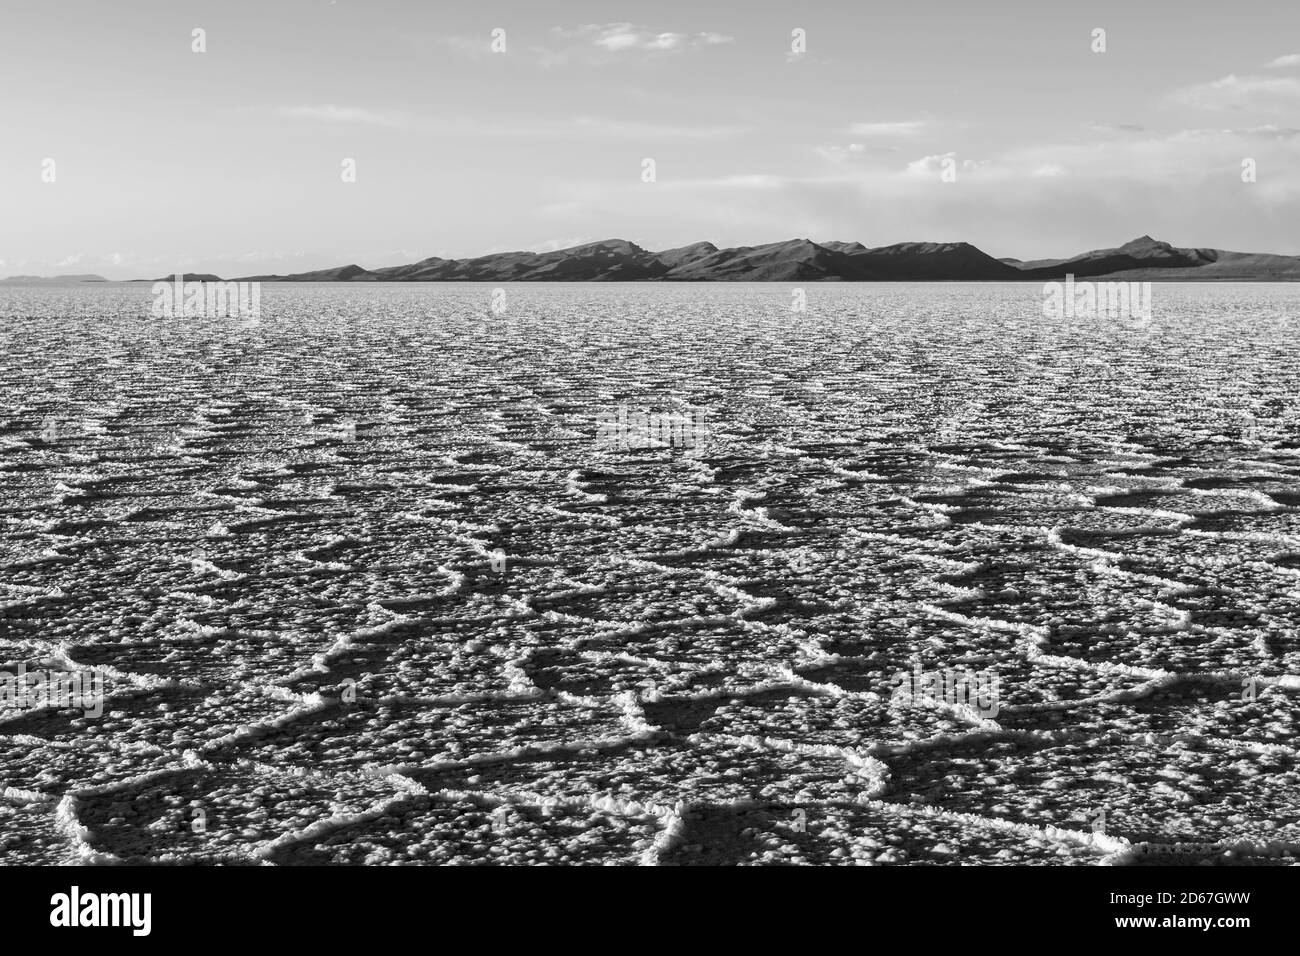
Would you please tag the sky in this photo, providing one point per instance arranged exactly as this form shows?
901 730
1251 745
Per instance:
231 160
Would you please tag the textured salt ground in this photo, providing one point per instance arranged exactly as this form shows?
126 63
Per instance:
278 539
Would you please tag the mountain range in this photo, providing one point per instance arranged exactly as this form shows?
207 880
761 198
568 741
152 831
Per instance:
50 280
802 260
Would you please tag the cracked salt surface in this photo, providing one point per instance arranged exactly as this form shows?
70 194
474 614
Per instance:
367 588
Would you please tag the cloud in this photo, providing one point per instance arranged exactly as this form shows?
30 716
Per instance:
634 41
632 129
624 40
1291 59
1268 131
740 181
587 44
905 128
936 164
1233 92
1116 128
751 181
472 47
330 113
1208 160
616 37
1081 190
854 151
1115 164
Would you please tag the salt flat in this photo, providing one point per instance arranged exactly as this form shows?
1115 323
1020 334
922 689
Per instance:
368 586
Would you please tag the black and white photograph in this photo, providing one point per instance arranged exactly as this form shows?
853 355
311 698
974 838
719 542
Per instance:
707 434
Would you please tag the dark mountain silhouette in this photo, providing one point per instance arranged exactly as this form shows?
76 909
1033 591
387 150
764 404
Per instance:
616 260
802 260
1141 253
186 277
848 248
613 260
1145 258
930 260
340 274
684 255
50 280
797 260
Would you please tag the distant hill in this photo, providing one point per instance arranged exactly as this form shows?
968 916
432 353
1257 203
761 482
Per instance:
802 260
794 260
186 277
684 255
798 260
930 260
617 260
50 280
1145 259
341 274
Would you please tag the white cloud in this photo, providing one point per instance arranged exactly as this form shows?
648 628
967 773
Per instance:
854 151
905 128
936 164
616 37
1268 131
629 41
1243 92
1291 59
756 181
1139 166
751 181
